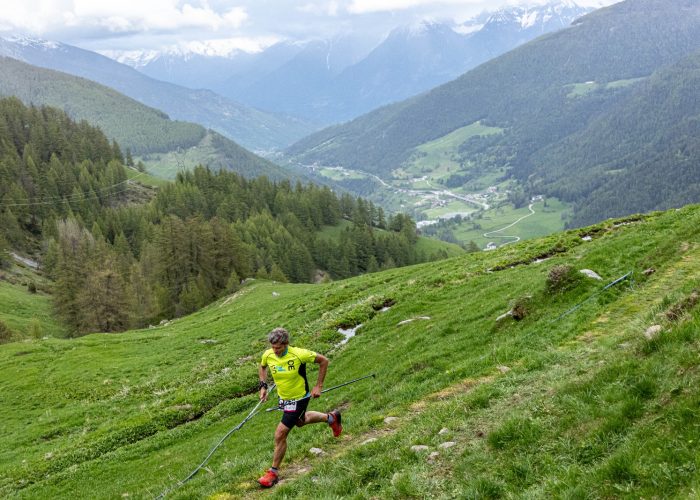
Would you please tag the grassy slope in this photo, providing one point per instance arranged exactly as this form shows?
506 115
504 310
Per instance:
545 221
588 408
27 314
216 152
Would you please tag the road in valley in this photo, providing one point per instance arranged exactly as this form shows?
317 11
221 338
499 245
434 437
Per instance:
491 234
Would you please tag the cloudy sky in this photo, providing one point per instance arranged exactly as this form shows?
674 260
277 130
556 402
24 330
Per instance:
124 25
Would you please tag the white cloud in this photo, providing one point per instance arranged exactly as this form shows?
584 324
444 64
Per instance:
368 6
151 24
42 16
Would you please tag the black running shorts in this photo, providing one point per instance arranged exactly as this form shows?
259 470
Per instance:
290 418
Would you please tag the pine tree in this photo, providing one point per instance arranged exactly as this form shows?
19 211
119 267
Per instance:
103 302
276 274
129 158
75 247
142 297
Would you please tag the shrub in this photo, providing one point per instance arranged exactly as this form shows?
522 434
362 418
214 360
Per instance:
5 333
35 329
521 308
31 287
562 278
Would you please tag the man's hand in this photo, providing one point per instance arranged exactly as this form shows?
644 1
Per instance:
263 394
316 391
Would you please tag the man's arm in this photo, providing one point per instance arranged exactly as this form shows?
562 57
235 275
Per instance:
262 376
322 361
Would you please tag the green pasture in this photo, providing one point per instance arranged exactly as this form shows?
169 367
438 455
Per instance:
431 246
452 205
338 174
546 220
571 401
27 314
145 178
582 89
438 158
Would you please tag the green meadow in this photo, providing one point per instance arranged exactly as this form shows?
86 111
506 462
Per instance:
438 158
545 220
578 398
582 89
26 314
145 178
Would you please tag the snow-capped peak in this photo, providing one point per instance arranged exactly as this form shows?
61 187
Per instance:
418 28
133 58
28 41
227 48
530 15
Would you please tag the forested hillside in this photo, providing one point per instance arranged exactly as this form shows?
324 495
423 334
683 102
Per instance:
115 264
547 91
640 154
137 128
133 125
248 126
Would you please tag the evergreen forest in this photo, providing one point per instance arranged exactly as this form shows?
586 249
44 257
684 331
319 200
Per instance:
124 256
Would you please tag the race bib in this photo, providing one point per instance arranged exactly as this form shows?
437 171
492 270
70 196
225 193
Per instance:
288 405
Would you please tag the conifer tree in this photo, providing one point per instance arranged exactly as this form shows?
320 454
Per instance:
75 246
103 302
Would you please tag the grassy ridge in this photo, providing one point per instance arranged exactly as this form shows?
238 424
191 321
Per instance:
584 406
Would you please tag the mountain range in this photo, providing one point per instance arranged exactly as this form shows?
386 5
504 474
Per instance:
585 113
330 81
137 128
250 127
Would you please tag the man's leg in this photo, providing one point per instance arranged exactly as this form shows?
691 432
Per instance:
313 417
280 444
332 419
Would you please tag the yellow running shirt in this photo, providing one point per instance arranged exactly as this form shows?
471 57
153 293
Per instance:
289 371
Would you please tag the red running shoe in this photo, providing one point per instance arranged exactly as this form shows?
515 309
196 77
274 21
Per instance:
269 479
336 425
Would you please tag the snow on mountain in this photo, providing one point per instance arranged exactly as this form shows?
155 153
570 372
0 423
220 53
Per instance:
228 48
37 43
544 17
134 58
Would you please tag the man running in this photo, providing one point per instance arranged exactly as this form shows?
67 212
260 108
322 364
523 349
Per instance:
288 367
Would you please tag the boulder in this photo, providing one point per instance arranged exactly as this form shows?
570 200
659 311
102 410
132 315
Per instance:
652 332
446 445
505 315
591 274
316 451
419 448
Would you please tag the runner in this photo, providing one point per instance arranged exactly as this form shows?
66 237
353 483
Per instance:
288 367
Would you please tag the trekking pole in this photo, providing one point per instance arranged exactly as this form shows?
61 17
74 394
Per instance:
253 412
577 306
327 390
